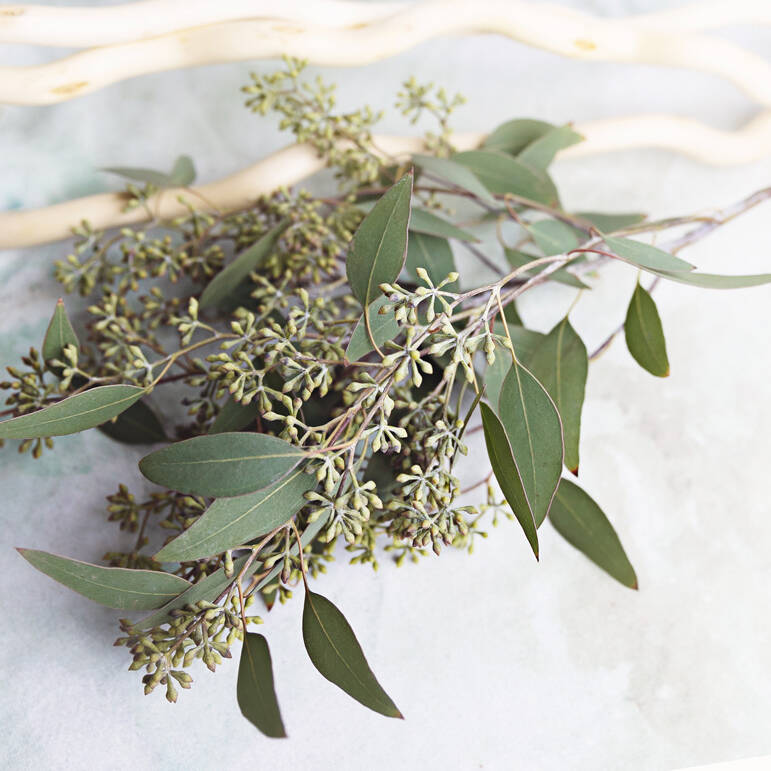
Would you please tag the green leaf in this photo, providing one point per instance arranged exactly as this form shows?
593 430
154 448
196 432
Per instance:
223 288
456 174
231 522
137 425
580 521
534 431
716 281
433 254
183 173
508 475
255 691
526 342
541 151
645 335
515 135
73 414
511 314
553 236
221 465
384 327
517 259
500 173
608 223
114 587
560 363
336 653
379 245
646 256
58 334
234 416
422 221
210 587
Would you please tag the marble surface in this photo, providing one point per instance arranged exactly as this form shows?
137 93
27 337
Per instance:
496 661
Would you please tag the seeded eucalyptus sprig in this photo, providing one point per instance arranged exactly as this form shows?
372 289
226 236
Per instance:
330 360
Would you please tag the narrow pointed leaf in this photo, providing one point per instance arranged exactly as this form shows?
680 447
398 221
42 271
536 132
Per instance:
507 473
646 256
146 176
255 690
553 236
609 223
336 653
73 414
231 522
581 522
515 135
716 281
422 221
645 335
456 174
210 587
223 288
183 173
517 259
500 173
58 334
137 425
534 431
433 254
234 416
541 151
221 465
114 587
384 328
526 342
379 245
560 364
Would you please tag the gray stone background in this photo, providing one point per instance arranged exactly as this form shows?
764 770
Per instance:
496 661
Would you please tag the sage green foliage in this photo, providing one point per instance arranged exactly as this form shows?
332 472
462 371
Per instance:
73 414
379 247
232 522
336 653
580 521
560 363
311 426
221 464
255 691
181 175
645 335
114 587
533 428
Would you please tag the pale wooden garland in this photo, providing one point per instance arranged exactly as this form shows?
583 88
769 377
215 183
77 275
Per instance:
297 162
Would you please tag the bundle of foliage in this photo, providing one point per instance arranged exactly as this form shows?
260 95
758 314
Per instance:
329 359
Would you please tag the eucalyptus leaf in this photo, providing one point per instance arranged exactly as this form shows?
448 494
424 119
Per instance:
221 465
182 174
223 288
384 327
581 522
518 259
234 416
534 431
515 135
422 221
511 314
137 425
434 254
59 334
560 363
646 256
456 174
231 522
500 173
255 691
73 414
554 236
609 223
508 475
526 342
716 281
114 587
335 652
379 245
645 335
541 151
